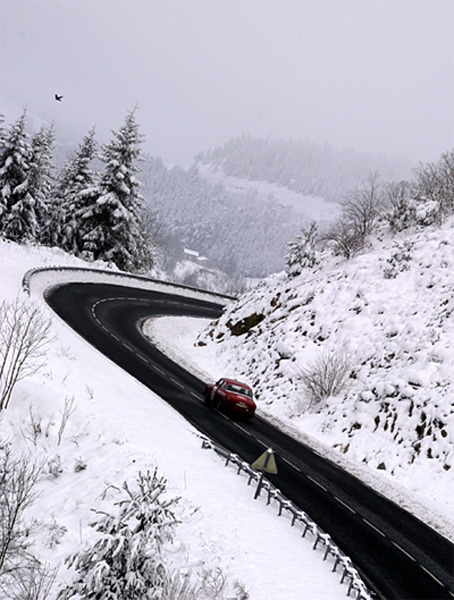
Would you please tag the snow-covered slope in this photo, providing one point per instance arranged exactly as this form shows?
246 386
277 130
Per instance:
311 207
390 311
119 428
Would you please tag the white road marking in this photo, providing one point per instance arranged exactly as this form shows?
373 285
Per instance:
93 310
321 486
291 464
242 428
262 443
158 370
373 527
403 551
344 504
180 385
432 575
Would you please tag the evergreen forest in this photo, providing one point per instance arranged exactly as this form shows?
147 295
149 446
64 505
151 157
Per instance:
115 203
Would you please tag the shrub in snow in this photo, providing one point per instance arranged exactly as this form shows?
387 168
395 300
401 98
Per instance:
125 562
429 200
180 586
56 533
54 466
360 213
344 239
67 411
80 465
326 375
399 260
427 213
214 582
301 252
400 207
34 427
241 592
361 208
33 583
435 189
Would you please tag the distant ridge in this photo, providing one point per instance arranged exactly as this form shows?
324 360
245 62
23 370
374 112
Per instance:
302 166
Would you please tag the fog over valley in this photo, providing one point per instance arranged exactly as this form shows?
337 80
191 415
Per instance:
374 76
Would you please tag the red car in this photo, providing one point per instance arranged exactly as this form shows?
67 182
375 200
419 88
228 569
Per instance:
232 396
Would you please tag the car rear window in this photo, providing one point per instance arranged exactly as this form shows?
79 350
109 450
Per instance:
239 390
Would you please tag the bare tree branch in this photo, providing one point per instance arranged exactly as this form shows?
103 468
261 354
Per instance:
24 334
68 410
18 477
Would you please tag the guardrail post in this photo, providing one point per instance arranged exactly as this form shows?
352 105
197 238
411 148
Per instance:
355 582
252 476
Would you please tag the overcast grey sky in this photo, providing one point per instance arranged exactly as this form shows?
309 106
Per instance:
375 75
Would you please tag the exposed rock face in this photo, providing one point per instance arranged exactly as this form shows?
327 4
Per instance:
243 326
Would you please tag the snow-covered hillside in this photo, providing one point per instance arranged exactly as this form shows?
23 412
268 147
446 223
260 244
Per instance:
118 428
301 205
390 312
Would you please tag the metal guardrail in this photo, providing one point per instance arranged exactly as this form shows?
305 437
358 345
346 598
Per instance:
350 574
140 278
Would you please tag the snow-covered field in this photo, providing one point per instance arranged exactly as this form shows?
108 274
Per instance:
119 428
390 310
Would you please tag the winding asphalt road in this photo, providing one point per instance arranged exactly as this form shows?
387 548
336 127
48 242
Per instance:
398 556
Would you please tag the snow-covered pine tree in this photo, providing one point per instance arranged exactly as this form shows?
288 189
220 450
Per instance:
302 251
18 220
117 234
74 199
41 173
2 133
125 562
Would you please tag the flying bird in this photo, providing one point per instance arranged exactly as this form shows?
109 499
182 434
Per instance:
57 97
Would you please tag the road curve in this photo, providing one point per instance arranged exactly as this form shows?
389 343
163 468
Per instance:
398 556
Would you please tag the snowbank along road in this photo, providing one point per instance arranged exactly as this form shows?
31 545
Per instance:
397 555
